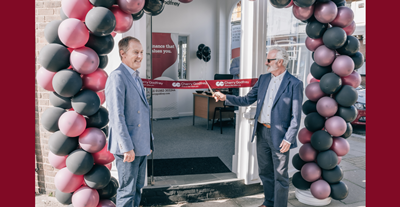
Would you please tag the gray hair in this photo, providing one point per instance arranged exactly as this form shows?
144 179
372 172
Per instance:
281 54
123 44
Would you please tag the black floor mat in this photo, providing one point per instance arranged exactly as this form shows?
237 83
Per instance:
186 166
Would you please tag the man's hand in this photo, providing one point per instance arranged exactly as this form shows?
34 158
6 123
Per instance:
218 96
129 156
285 146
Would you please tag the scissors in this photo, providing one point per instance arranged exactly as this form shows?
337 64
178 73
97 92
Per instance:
210 88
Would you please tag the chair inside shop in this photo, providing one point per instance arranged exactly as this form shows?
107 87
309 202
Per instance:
221 110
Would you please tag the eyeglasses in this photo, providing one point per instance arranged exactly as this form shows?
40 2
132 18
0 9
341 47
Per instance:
269 60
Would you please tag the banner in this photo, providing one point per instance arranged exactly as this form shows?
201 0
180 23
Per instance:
165 55
201 84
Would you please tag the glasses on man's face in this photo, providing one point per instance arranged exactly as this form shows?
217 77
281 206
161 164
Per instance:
269 60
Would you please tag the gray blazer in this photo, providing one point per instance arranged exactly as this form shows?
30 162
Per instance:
286 108
129 115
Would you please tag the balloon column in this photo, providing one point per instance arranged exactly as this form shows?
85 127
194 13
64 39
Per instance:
203 53
331 94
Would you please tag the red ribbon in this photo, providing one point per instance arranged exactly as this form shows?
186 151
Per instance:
201 84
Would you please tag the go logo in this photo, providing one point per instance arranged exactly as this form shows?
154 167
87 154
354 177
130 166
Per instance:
174 84
220 83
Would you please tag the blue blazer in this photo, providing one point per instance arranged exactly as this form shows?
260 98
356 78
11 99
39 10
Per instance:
129 115
286 108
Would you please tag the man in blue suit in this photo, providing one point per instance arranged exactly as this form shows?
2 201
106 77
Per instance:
279 97
130 138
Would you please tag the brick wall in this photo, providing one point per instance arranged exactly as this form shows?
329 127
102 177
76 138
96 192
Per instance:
45 12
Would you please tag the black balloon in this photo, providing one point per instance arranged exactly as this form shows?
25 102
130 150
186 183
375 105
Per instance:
61 145
350 47
110 190
304 3
79 162
349 131
309 107
199 54
316 29
324 1
62 14
154 7
339 2
358 59
206 51
333 176
297 162
114 199
349 114
347 96
314 122
105 130
64 198
327 160
86 102
138 15
67 83
54 57
200 47
339 191
206 58
59 101
321 140
318 71
299 182
51 32
334 38
103 61
100 21
312 55
102 45
49 119
99 119
98 177
330 83
279 3
103 3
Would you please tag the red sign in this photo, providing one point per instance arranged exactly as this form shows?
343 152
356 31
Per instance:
231 83
164 55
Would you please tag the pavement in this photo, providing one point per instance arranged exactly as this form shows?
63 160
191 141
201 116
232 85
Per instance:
352 164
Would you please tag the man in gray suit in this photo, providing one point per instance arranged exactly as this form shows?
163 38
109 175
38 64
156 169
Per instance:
130 139
279 97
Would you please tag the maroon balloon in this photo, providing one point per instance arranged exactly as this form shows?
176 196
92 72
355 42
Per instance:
92 140
185 1
340 146
314 92
320 189
343 65
290 4
303 13
324 56
344 17
95 81
102 96
350 29
327 106
124 21
307 153
325 12
313 44
305 135
336 126
103 156
353 80
310 172
105 203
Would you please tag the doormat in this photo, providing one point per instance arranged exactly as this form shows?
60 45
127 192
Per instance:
186 166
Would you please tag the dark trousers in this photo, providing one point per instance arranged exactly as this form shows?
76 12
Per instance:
272 169
131 176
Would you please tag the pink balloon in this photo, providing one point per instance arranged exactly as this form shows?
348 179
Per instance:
353 80
314 92
131 6
290 4
113 34
106 203
103 156
314 80
305 135
340 146
92 140
72 124
344 17
336 126
320 189
102 96
85 197
310 172
339 159
56 161
73 33
313 44
123 19
185 1
307 153
327 106
44 78
84 60
324 56
76 8
343 65
311 79
95 81
325 12
66 181
303 13
350 29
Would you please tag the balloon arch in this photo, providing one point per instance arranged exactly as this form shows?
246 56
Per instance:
72 69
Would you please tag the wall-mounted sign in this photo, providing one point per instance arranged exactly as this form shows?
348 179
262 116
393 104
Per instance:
170 2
